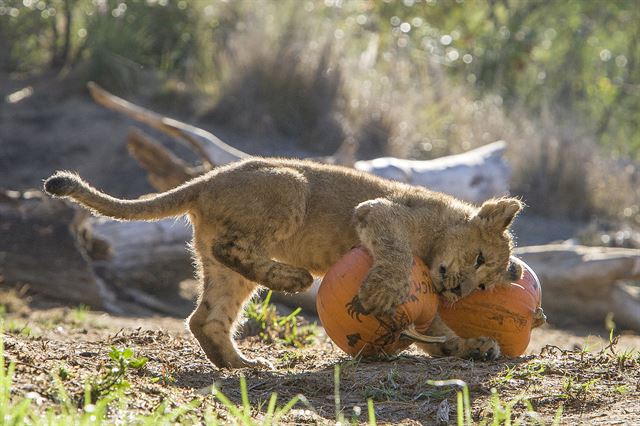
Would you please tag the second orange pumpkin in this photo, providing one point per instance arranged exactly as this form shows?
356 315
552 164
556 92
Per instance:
507 313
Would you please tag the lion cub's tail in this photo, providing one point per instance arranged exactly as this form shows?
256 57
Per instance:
171 203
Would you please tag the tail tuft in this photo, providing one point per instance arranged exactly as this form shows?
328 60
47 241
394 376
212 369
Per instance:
61 184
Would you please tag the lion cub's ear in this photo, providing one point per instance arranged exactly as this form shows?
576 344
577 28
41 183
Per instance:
499 213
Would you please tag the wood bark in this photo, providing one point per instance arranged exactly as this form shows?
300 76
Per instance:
586 283
474 176
164 170
211 150
58 250
147 262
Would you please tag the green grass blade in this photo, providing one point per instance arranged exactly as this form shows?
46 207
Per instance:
558 416
460 408
244 394
372 412
336 394
463 406
286 408
229 405
265 304
271 408
467 404
289 317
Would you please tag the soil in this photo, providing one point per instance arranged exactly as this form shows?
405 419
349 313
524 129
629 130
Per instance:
593 382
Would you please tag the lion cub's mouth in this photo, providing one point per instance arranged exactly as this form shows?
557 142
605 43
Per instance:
448 296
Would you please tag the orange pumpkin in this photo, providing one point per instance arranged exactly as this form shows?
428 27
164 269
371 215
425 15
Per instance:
507 313
359 333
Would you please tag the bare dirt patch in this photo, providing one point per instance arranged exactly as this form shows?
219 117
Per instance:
593 381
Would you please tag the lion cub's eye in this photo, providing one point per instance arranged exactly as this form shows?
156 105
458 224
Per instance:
479 260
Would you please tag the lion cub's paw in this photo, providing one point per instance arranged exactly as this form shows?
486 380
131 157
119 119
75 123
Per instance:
289 279
261 363
379 298
482 348
300 281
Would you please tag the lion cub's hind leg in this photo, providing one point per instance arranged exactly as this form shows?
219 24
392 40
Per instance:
246 255
244 242
214 320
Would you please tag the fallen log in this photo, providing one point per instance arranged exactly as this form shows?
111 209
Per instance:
148 261
474 176
57 250
211 150
585 284
149 256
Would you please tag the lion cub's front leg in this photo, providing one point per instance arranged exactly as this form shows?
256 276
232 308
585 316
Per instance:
381 227
482 348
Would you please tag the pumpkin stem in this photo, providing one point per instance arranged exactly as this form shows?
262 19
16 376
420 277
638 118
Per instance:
539 318
411 334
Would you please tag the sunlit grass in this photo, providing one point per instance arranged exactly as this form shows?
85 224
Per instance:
264 321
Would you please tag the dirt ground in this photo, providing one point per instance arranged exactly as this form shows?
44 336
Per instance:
562 368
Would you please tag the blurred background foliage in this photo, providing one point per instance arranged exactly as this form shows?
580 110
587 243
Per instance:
559 80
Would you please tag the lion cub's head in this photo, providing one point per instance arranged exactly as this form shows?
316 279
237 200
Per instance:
476 253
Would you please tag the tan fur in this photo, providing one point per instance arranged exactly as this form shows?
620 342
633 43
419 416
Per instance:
306 216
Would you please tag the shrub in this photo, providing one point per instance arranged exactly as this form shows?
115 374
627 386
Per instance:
125 38
281 82
560 171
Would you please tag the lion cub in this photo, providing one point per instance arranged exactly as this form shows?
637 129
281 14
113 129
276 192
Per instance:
307 215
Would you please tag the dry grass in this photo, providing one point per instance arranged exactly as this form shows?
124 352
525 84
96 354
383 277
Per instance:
560 171
14 301
281 82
